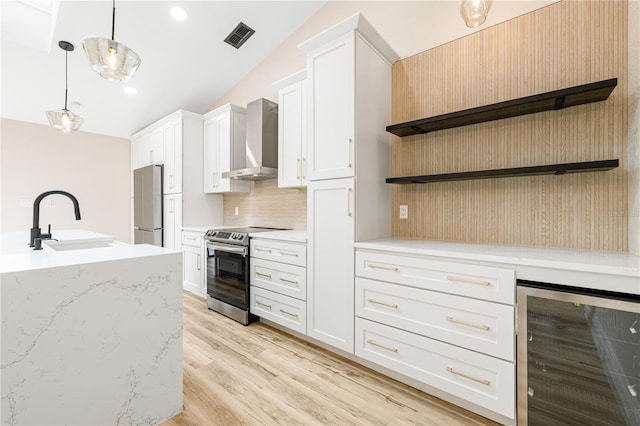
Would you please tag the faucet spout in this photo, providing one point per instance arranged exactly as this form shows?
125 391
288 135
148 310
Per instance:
35 230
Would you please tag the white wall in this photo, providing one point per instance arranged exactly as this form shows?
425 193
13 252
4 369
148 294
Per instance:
95 168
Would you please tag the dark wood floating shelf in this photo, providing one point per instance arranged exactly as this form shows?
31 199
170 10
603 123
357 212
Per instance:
551 169
557 99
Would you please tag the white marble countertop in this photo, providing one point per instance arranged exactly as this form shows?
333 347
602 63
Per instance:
16 255
284 235
574 267
203 229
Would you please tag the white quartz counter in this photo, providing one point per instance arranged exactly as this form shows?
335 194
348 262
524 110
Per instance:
285 235
613 271
16 255
203 229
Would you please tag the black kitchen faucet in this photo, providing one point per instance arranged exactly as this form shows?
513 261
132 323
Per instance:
36 233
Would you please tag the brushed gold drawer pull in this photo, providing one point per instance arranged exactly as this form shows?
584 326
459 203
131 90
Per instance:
484 382
260 274
349 163
284 280
263 304
468 281
288 253
386 268
468 324
371 342
263 249
298 169
288 313
391 305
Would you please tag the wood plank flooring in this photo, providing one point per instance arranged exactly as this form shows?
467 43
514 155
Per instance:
236 375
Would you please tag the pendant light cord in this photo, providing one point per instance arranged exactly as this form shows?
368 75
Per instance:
66 78
113 21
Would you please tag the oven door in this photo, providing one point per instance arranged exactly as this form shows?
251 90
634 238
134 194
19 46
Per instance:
228 274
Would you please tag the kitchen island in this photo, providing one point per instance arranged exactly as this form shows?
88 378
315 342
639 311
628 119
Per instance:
91 331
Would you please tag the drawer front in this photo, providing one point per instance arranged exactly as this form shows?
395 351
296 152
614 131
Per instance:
479 282
283 310
291 253
480 379
282 278
473 324
191 238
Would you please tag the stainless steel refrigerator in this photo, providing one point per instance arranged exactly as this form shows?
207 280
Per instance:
147 205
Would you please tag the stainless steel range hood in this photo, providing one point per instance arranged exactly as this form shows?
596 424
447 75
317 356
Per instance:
262 143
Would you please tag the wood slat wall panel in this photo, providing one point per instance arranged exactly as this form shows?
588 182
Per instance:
563 45
269 206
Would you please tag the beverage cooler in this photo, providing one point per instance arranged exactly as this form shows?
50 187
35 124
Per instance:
578 356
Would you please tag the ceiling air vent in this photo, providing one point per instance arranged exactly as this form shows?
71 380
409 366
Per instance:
239 35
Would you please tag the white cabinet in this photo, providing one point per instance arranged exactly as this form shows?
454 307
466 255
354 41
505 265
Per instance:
292 132
194 262
172 136
278 286
224 149
172 221
330 271
348 107
147 148
449 325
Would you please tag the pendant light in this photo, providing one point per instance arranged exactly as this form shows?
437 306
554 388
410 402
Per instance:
64 120
109 58
474 12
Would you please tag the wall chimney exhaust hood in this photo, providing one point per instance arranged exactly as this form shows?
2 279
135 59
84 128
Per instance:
262 143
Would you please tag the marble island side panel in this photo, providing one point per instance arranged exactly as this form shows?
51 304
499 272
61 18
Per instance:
96 343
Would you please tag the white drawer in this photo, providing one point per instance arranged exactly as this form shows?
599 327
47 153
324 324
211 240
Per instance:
284 310
480 379
291 253
191 238
282 278
480 282
473 324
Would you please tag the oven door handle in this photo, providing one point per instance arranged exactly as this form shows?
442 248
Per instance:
237 250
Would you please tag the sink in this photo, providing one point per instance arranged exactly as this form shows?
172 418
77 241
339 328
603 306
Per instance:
76 245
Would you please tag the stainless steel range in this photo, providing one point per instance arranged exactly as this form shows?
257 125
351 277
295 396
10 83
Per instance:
228 271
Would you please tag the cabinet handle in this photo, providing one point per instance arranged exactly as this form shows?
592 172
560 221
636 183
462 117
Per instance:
303 168
391 305
386 268
298 169
260 274
288 313
284 280
468 281
172 205
150 156
190 238
349 152
288 253
171 181
263 249
484 382
199 261
263 304
468 324
348 201
371 342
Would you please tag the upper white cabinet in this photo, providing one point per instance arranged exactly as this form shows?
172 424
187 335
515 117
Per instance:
224 148
292 132
172 136
147 147
349 105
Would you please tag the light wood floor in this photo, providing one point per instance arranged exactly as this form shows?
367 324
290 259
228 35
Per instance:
236 375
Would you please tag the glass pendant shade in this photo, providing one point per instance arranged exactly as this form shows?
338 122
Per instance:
474 12
112 60
64 120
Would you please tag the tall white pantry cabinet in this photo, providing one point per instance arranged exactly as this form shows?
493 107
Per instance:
349 157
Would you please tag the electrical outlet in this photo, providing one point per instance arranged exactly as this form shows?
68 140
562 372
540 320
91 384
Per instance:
26 202
404 212
237 211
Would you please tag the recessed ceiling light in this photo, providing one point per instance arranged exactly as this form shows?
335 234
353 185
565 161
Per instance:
130 90
178 13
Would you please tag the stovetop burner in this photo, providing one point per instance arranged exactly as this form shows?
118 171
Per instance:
238 236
